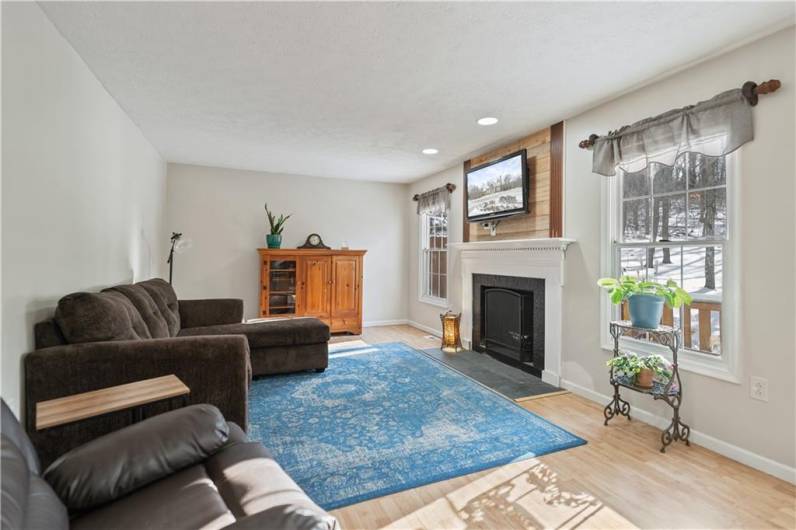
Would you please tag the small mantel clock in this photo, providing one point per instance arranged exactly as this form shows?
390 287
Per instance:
314 241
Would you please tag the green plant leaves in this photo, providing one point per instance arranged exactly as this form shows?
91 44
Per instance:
277 225
626 286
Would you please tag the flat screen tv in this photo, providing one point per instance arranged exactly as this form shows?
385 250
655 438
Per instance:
497 189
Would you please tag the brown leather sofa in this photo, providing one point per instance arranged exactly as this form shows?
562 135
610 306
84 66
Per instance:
185 469
133 332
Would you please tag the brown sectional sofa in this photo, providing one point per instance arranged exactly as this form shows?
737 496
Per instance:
185 469
133 332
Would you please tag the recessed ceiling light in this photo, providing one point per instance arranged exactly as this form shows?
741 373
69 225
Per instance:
487 120
430 151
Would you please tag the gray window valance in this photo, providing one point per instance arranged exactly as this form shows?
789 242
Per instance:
434 202
714 128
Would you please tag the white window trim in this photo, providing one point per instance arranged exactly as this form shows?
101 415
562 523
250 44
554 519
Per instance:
422 277
725 367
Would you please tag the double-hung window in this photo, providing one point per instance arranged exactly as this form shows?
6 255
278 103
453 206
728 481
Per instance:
434 257
673 222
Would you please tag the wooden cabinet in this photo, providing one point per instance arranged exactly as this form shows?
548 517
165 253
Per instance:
325 284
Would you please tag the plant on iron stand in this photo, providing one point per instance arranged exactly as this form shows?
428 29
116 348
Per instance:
626 286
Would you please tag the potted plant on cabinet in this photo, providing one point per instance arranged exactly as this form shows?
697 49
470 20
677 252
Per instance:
645 298
274 239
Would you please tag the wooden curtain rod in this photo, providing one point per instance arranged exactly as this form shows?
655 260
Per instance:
750 91
450 187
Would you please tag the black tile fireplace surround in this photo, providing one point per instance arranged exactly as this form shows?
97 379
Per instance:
518 303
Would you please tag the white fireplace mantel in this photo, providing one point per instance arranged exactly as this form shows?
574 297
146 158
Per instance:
527 258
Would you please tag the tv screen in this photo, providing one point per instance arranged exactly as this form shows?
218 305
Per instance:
498 189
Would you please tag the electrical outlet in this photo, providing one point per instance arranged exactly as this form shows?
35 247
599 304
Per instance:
758 388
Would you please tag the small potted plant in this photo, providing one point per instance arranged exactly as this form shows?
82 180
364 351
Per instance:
645 298
626 367
654 367
274 239
640 371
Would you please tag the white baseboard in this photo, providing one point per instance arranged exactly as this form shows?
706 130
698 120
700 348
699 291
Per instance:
744 456
427 329
377 323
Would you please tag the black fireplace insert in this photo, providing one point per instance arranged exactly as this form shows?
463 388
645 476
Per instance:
508 320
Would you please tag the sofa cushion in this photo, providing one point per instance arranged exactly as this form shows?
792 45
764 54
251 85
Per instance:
150 312
28 501
12 429
290 332
185 500
238 472
94 317
165 298
123 461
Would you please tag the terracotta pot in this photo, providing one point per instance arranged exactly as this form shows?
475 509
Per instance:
644 378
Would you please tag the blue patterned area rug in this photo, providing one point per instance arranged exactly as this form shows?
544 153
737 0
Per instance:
386 418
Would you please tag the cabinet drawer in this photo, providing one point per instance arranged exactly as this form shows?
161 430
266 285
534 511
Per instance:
345 324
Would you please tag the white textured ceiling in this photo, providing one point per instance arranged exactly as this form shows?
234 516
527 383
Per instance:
356 90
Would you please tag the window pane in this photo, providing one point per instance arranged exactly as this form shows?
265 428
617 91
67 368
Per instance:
434 238
668 218
707 214
666 264
635 184
636 220
667 179
705 171
702 278
702 272
633 262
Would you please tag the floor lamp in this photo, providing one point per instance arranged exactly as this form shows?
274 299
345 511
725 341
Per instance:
178 246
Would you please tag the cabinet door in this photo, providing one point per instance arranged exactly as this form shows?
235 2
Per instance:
316 286
281 287
345 287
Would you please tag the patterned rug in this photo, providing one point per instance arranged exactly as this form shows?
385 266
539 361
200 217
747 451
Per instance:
385 418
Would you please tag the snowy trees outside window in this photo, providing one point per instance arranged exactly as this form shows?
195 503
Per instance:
673 225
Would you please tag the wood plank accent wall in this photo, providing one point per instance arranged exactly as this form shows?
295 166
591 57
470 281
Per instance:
545 193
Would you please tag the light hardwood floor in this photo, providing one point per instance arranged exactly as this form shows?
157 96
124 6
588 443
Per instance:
618 480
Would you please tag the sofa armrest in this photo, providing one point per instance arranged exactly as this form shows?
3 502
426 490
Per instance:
216 370
286 517
123 461
210 312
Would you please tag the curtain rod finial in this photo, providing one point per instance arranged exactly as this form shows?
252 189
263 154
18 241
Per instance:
585 144
751 89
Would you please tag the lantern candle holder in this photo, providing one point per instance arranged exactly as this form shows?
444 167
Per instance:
451 341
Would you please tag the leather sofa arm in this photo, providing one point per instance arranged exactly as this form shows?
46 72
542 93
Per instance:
216 369
121 462
286 517
210 312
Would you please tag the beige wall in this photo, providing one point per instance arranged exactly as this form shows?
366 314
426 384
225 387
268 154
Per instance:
221 210
83 191
721 413
423 313
765 233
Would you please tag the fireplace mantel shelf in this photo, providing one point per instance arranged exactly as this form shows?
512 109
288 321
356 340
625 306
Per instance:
556 243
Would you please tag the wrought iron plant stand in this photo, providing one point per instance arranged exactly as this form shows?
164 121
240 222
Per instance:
670 393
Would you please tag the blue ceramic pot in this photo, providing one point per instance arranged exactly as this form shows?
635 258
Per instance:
273 240
646 310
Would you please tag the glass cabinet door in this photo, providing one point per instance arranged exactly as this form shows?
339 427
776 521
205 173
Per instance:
282 286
